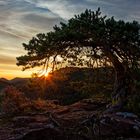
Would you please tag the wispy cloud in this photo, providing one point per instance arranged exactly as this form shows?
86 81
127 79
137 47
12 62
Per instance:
121 9
63 8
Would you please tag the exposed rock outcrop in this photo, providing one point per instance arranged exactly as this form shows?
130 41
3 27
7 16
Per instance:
80 121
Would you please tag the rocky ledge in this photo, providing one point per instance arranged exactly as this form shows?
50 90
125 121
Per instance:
80 121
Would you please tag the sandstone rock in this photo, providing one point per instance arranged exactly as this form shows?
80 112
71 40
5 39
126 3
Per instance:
127 115
22 120
67 122
120 124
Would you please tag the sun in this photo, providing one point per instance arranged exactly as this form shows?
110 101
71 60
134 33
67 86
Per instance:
45 72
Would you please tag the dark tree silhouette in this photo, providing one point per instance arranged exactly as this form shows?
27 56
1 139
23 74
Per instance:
90 39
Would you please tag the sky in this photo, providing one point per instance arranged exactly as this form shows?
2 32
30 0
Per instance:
20 20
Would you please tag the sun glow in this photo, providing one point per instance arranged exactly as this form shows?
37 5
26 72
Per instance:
45 72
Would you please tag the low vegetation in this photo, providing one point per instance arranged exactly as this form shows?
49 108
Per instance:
67 86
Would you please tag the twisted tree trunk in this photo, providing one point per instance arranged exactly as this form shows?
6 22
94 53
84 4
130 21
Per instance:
122 83
119 96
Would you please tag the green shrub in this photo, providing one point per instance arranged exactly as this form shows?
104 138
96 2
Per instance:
133 104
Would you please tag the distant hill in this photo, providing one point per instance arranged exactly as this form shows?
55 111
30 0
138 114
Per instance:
4 83
17 82
74 73
3 80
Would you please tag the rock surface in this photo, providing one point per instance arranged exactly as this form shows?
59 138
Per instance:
79 121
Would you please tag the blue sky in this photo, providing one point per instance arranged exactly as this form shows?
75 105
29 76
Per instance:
22 19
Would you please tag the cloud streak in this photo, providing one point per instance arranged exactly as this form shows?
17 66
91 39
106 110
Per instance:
122 9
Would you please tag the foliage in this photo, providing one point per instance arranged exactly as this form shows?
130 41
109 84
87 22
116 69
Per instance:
34 88
89 34
78 84
14 101
69 85
92 40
